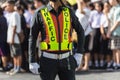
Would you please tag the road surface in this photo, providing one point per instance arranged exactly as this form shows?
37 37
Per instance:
88 75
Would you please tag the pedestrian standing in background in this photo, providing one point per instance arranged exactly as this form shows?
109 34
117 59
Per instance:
28 17
14 28
83 15
4 47
114 31
94 20
104 40
7 16
20 9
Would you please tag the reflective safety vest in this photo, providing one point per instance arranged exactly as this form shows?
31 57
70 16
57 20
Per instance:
58 31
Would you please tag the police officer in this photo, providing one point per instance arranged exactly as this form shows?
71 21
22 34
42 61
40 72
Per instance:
55 22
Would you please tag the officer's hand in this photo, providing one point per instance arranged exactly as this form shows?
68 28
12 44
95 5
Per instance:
34 68
78 57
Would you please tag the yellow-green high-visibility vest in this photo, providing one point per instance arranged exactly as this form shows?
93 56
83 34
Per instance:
53 44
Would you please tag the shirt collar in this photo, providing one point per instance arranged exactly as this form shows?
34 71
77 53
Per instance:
49 7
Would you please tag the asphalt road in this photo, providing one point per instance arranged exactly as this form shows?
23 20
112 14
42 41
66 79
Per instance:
89 75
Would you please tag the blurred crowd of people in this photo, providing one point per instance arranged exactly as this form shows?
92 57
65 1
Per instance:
15 21
100 20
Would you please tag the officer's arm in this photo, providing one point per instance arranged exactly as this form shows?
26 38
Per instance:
34 30
80 33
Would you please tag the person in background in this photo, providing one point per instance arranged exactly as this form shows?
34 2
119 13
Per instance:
91 6
94 20
28 16
14 28
104 40
19 8
7 16
83 15
114 31
4 47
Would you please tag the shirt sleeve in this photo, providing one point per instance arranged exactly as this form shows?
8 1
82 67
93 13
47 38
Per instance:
102 21
83 19
16 21
80 33
91 17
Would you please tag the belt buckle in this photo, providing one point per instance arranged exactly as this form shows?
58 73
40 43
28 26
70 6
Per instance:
59 56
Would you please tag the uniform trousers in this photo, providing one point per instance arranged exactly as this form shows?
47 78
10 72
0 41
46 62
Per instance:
64 68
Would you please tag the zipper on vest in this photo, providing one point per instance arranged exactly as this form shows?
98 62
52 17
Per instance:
57 15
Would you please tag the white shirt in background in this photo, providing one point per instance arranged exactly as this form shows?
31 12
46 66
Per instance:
83 19
104 21
14 20
95 18
28 16
7 16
